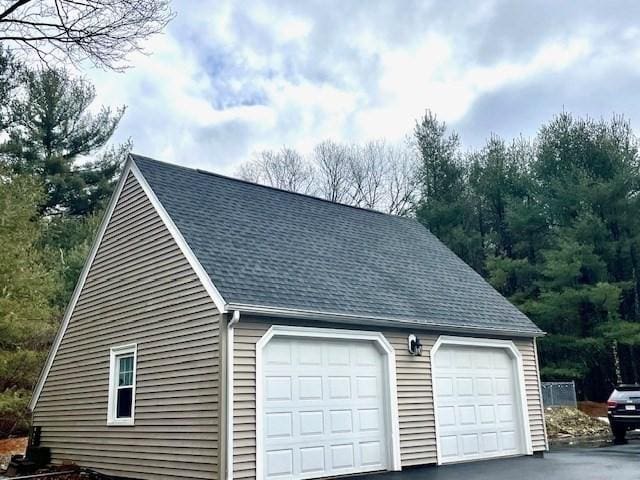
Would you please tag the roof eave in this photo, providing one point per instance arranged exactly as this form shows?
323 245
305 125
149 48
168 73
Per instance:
331 317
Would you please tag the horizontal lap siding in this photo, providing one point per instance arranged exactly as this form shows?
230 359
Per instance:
140 289
244 402
415 398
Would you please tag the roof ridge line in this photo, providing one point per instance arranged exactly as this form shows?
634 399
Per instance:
270 187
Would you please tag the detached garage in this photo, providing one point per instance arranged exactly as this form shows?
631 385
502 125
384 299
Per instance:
223 329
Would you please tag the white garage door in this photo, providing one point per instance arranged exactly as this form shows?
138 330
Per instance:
323 408
478 406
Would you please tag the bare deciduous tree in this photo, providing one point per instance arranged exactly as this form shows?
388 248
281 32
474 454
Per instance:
103 31
367 168
285 169
401 182
377 175
331 162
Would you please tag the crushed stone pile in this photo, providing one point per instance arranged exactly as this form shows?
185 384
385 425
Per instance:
568 422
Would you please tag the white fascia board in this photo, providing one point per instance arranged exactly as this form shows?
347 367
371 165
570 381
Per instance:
79 286
206 281
264 310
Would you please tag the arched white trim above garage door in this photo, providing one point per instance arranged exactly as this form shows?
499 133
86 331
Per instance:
328 334
516 357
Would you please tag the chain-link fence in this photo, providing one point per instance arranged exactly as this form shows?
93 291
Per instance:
559 394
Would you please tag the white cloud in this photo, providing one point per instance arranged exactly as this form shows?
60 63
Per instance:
228 79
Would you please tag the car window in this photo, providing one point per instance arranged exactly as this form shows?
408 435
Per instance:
625 394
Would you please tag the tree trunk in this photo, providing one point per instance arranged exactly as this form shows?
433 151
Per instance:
616 361
636 283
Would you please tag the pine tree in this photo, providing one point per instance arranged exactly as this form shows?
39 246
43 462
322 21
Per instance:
53 130
27 319
445 206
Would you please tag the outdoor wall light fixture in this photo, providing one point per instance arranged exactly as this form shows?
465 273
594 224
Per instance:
415 347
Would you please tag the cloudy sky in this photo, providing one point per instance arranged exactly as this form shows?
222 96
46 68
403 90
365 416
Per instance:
229 78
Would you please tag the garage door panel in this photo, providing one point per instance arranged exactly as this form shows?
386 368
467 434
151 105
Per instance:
487 414
328 418
470 444
371 453
279 425
369 420
310 388
449 446
312 460
312 355
339 388
444 386
278 388
311 423
508 440
279 462
279 354
485 386
489 442
467 415
476 403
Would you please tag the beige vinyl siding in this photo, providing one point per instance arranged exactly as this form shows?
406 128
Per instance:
415 397
415 401
140 289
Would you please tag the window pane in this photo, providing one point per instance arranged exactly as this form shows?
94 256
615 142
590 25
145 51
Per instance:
126 363
125 371
123 408
125 379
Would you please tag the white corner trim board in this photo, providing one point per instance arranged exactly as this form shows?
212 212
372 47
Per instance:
329 333
130 167
230 388
544 424
516 357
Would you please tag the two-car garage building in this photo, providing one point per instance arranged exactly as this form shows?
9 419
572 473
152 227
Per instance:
223 329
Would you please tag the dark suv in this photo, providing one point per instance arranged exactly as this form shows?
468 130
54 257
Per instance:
624 410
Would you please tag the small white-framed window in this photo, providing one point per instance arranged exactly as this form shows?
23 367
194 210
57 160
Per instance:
122 385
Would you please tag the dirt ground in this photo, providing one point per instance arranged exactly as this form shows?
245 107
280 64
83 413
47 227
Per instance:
593 409
13 446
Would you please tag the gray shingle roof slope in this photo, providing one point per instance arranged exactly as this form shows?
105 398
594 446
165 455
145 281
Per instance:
268 247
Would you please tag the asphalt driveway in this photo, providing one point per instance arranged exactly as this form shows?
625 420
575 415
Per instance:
619 462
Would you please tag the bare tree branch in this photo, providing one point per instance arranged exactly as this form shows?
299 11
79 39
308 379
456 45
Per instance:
13 7
368 170
102 31
377 175
332 170
285 169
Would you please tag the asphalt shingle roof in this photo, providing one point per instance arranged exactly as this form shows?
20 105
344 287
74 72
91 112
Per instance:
268 247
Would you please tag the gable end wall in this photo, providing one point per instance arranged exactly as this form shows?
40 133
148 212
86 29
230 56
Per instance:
140 289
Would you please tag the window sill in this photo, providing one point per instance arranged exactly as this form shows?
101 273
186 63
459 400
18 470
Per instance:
124 422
